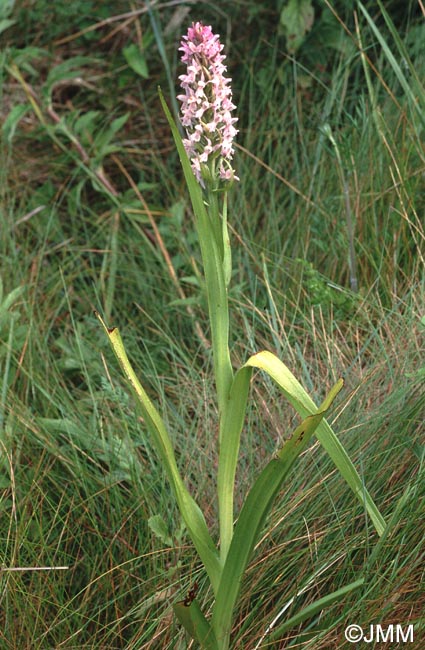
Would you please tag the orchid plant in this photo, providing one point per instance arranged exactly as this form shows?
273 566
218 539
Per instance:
206 155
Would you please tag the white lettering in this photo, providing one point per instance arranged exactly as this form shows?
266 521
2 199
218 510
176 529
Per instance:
404 636
384 635
380 634
370 639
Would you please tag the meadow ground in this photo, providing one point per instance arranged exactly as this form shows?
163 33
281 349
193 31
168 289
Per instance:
328 238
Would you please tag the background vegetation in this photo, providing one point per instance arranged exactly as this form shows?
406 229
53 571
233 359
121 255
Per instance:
94 214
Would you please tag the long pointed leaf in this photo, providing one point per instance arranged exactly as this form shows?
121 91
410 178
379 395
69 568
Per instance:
191 513
213 269
303 403
193 620
253 515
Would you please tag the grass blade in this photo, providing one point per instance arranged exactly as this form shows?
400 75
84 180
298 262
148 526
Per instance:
401 77
314 608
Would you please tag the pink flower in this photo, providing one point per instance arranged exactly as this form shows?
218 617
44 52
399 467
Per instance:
206 106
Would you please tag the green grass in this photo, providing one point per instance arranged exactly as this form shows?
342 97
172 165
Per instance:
79 480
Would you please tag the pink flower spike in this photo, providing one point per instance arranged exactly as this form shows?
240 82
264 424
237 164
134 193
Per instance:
206 105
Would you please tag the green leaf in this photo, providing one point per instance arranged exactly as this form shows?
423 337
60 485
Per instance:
104 136
13 119
25 57
253 514
296 19
10 299
63 72
193 620
191 513
158 526
6 8
183 302
117 124
213 270
86 123
5 24
136 60
305 406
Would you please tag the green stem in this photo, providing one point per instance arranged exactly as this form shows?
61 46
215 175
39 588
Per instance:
208 229
217 306
215 251
215 220
230 432
216 286
227 251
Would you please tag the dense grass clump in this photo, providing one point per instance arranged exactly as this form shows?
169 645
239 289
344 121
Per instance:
328 245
